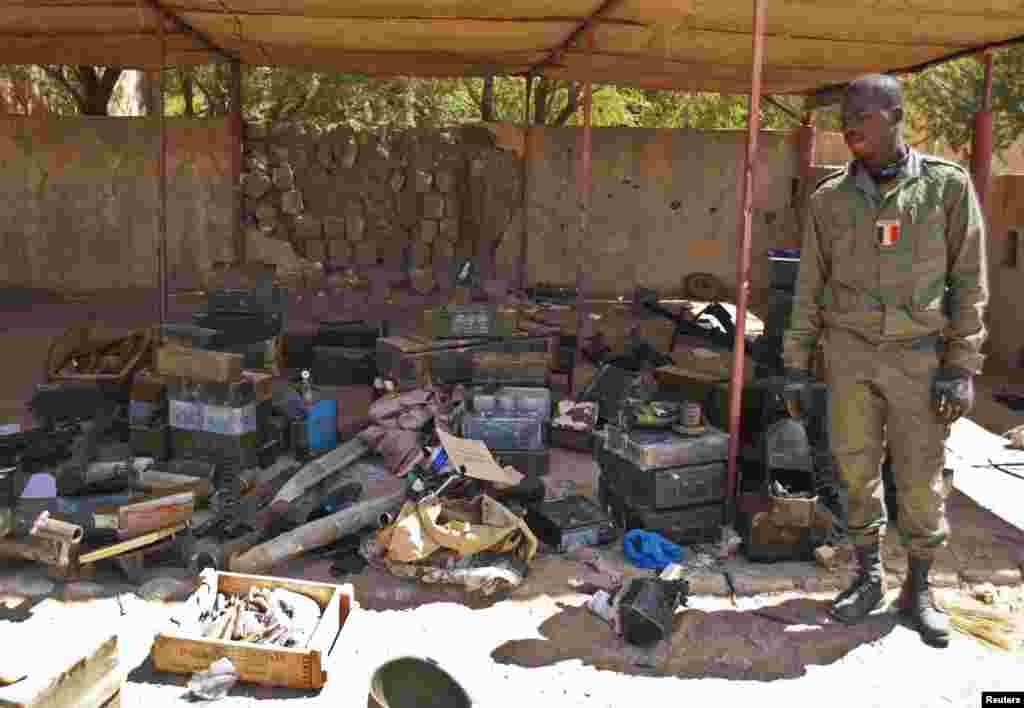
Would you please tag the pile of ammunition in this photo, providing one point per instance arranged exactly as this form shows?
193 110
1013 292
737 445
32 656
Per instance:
263 616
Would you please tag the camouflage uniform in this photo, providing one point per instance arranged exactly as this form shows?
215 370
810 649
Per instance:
874 274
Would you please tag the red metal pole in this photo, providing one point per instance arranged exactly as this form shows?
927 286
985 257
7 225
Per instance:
806 139
235 163
743 262
981 148
524 233
161 109
584 194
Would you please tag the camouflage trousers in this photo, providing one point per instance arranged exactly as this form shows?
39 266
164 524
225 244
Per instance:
880 395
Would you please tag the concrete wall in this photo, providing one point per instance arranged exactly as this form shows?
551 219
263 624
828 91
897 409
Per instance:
1005 212
665 204
80 209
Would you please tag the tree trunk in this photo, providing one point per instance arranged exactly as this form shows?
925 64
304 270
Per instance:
572 103
149 92
540 101
409 102
188 91
487 100
97 89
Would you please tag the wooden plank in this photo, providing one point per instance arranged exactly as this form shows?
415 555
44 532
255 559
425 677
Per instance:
266 665
198 364
130 545
158 483
968 446
153 514
89 677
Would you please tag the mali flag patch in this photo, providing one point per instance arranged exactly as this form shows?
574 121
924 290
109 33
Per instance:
888 232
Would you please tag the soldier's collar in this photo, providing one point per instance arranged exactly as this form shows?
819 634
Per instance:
862 180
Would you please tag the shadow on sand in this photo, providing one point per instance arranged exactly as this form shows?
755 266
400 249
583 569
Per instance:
766 643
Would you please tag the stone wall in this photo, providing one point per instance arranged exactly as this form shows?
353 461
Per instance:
405 203
396 206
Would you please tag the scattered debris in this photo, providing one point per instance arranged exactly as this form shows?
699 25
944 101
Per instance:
214 683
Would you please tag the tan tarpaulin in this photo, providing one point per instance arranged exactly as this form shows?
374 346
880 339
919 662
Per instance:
682 44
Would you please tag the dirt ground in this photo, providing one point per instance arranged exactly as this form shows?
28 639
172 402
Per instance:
541 646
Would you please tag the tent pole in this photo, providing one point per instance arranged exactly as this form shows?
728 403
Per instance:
161 111
584 183
981 149
743 261
524 233
805 151
235 130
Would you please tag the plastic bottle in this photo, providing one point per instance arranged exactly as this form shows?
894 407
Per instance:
307 388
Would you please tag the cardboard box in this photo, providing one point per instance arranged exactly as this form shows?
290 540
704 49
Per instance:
302 668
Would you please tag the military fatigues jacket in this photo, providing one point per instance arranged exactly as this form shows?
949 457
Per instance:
880 266
892 287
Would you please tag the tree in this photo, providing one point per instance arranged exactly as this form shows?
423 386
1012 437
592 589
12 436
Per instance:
89 86
945 98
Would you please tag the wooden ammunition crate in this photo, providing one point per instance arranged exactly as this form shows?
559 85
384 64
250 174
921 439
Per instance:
302 668
472 320
417 361
198 364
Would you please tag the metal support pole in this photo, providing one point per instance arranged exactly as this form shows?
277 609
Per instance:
161 111
584 183
235 162
524 231
806 139
981 148
743 260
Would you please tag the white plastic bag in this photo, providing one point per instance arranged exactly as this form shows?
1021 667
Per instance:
214 683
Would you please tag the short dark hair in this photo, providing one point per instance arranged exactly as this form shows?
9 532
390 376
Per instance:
884 89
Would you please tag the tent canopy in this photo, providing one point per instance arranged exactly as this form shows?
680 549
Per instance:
694 45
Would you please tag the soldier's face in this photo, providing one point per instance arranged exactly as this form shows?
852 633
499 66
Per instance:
871 131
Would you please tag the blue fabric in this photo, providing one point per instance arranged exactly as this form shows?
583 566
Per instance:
646 549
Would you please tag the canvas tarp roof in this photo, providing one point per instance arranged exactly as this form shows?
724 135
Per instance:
695 45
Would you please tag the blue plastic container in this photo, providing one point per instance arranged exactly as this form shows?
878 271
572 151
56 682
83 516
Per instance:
322 425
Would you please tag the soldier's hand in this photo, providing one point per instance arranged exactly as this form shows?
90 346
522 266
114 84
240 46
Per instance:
952 393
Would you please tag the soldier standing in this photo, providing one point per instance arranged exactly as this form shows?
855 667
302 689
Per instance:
893 286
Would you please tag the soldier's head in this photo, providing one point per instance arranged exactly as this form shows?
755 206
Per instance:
872 118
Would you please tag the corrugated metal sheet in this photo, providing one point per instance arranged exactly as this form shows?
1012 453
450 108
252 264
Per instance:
684 44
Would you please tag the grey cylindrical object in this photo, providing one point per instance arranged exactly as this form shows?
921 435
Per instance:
316 534
412 682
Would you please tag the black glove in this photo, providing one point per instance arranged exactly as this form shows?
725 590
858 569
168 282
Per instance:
952 393
795 382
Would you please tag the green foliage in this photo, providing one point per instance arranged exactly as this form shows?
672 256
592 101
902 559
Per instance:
940 102
945 98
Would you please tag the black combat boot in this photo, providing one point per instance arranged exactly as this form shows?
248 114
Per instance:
866 592
915 603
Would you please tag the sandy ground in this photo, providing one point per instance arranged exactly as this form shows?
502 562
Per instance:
540 647
549 651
